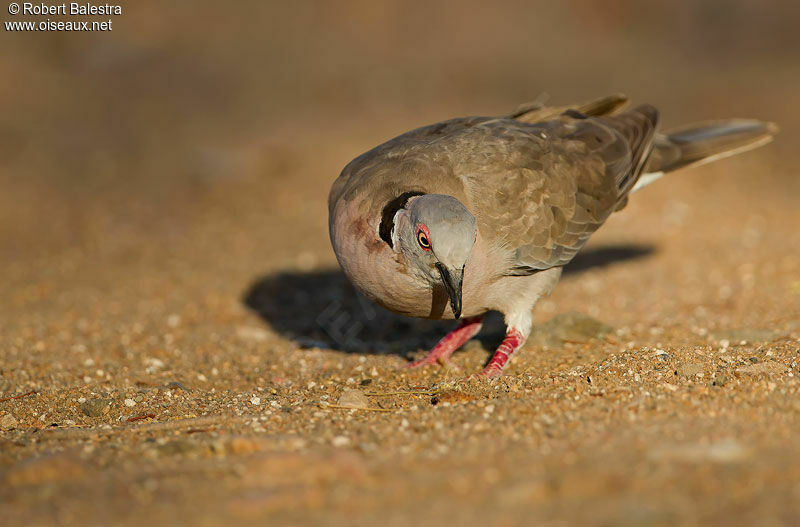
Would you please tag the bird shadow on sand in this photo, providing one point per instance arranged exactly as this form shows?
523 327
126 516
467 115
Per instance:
322 309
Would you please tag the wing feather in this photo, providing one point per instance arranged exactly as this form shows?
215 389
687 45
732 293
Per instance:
542 190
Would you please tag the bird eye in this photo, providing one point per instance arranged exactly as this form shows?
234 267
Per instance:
423 240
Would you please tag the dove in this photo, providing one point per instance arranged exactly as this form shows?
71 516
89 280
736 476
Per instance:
477 214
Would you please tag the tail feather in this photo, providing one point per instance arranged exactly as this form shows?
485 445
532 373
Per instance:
701 143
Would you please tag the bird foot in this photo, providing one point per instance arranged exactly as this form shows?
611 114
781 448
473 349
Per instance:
427 361
440 354
490 373
487 373
513 341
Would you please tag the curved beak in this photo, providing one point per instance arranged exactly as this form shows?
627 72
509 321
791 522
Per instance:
452 280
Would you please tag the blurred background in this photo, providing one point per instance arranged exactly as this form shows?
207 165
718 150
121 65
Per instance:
156 178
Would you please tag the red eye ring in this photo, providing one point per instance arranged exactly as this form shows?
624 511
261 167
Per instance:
423 237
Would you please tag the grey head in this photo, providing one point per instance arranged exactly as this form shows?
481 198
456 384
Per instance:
436 233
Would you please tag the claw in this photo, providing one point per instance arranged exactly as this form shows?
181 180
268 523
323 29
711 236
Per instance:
418 363
513 341
491 373
440 354
487 373
447 363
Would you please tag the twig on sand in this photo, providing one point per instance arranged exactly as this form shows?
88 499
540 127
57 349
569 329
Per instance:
140 417
201 430
366 409
4 399
189 423
410 392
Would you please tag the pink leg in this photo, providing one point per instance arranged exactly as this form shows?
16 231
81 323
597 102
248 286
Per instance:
441 352
513 341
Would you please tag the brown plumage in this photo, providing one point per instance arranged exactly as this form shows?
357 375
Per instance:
536 184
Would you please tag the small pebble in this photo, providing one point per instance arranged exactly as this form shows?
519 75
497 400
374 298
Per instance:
451 397
153 363
95 407
129 402
354 399
8 422
689 369
255 401
340 441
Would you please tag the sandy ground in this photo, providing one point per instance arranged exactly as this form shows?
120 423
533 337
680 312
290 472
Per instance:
177 343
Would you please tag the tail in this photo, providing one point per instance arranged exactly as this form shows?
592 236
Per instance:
701 143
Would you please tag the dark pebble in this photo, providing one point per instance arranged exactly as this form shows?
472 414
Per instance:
95 407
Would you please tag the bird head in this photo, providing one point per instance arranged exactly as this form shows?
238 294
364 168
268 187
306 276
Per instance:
436 233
